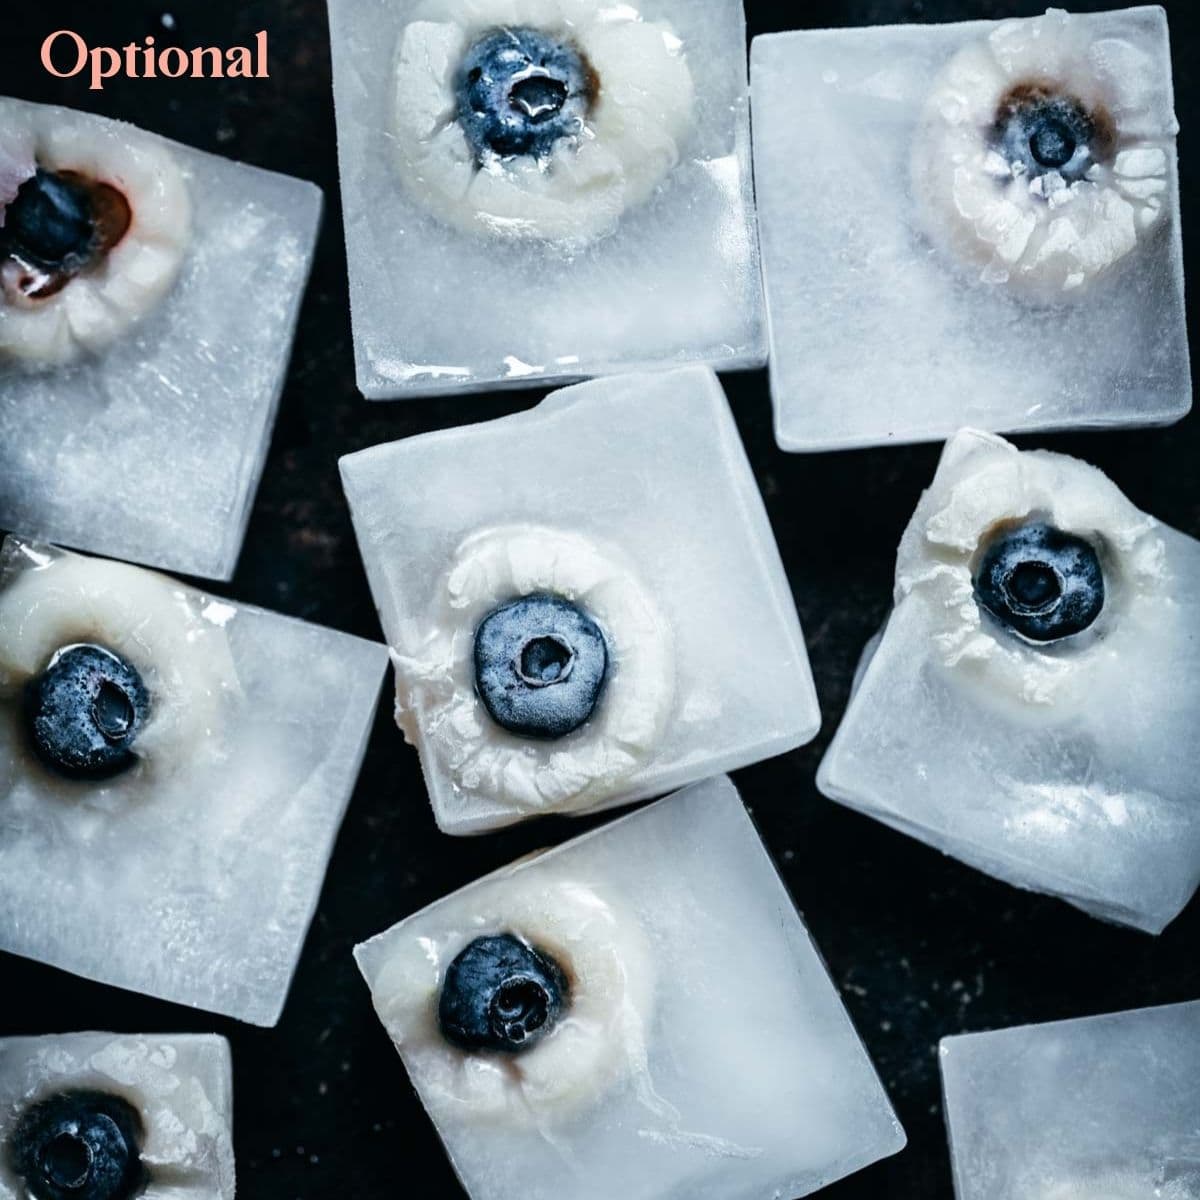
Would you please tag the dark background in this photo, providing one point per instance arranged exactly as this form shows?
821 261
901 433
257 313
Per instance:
919 945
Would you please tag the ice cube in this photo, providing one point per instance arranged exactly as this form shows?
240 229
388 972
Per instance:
898 310
1064 764
151 448
214 840
177 1090
1102 1108
631 497
705 1052
634 247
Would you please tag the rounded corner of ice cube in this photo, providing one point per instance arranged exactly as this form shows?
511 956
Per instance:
826 770
897 1140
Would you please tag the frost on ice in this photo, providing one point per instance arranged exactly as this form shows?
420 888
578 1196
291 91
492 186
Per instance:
632 500
241 734
1063 765
699 1046
1101 1108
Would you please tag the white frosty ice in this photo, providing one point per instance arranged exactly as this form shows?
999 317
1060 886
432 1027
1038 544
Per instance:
605 957
192 876
635 496
633 137
1101 1108
914 286
435 681
181 1086
102 303
634 247
151 450
1065 767
714 1061
1045 233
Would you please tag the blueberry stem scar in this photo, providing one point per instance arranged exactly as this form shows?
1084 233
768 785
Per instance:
540 666
1042 583
501 994
522 91
84 711
78 1145
1041 127
60 224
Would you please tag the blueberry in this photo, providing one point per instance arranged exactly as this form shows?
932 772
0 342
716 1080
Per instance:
520 91
51 223
1041 131
84 712
79 1146
540 665
501 994
1041 582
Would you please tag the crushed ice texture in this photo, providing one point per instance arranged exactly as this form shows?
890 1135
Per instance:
223 857
877 336
181 1085
653 466
152 452
438 310
1102 1108
754 1084
1093 801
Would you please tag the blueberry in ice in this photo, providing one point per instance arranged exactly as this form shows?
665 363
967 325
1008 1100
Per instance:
1040 131
520 91
79 1145
540 665
84 712
50 223
501 994
1041 582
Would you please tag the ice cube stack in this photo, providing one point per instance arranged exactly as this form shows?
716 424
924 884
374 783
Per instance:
966 229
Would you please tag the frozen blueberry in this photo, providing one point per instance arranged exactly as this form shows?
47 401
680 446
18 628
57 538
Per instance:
520 91
1038 131
540 665
79 1146
1041 582
84 712
51 223
501 994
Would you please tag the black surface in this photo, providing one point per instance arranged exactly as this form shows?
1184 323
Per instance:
919 945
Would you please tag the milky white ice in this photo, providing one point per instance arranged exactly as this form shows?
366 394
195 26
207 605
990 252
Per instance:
1064 764
129 281
566 183
148 445
1053 223
436 684
632 136
1101 1108
632 499
611 973
701 1049
996 239
216 835
179 1086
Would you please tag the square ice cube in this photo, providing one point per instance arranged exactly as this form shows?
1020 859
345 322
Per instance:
179 1088
151 448
634 247
1066 766
1102 1108
918 281
702 1050
191 874
631 497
